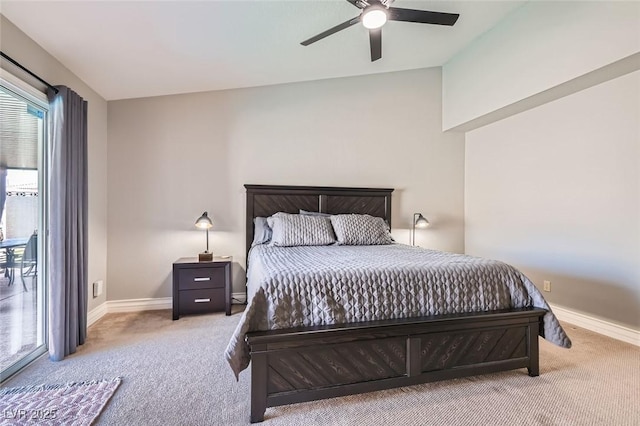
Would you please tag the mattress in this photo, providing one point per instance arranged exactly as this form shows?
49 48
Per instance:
325 285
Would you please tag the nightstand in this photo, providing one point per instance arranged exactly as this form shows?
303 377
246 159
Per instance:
200 287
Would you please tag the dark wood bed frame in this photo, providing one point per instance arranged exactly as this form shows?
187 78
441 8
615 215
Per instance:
311 363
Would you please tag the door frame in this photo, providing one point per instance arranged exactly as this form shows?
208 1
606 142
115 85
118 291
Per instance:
28 93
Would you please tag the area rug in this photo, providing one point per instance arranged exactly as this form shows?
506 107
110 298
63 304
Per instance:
76 404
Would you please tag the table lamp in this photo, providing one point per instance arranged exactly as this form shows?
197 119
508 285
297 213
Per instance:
419 221
204 222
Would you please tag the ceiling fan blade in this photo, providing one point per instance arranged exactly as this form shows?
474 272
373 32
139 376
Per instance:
375 39
422 16
330 31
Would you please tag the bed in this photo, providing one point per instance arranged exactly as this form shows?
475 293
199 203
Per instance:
303 348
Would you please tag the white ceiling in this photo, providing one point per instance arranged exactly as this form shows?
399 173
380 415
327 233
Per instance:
130 49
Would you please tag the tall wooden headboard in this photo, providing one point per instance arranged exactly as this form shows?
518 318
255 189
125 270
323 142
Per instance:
265 200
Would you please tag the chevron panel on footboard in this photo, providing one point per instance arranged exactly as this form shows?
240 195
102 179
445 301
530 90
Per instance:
310 363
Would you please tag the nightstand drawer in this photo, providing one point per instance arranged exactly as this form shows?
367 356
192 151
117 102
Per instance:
201 301
199 278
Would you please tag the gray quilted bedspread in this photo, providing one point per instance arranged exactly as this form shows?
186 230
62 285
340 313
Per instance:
304 286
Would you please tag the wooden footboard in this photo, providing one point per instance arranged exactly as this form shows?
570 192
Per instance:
311 363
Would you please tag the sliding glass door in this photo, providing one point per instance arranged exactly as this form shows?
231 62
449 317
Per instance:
23 133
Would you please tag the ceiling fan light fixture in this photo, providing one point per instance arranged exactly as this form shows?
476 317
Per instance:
374 17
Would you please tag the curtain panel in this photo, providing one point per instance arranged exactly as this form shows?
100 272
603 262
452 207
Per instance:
3 194
68 190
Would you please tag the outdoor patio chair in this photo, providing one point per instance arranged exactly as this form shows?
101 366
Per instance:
29 261
9 261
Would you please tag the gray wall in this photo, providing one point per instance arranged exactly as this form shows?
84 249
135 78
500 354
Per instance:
556 192
171 158
20 47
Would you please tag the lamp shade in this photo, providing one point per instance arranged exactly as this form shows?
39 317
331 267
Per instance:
204 221
421 221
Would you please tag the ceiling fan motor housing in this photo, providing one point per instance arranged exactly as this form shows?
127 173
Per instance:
362 4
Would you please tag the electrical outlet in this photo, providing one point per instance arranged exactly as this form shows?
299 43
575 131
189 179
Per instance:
547 285
97 288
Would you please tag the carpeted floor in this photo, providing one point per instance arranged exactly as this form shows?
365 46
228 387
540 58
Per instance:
174 373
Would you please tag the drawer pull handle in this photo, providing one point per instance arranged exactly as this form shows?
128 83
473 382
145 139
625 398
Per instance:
202 300
202 279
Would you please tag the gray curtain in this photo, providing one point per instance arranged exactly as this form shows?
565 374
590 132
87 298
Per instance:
67 223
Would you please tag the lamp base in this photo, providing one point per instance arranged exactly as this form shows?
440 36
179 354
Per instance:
205 257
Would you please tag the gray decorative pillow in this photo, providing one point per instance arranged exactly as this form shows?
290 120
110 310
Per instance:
361 230
261 231
299 230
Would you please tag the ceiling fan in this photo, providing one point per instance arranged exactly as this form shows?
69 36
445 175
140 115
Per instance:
375 13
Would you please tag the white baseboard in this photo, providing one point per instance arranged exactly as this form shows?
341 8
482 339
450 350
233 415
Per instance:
597 325
136 305
96 313
238 296
130 305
